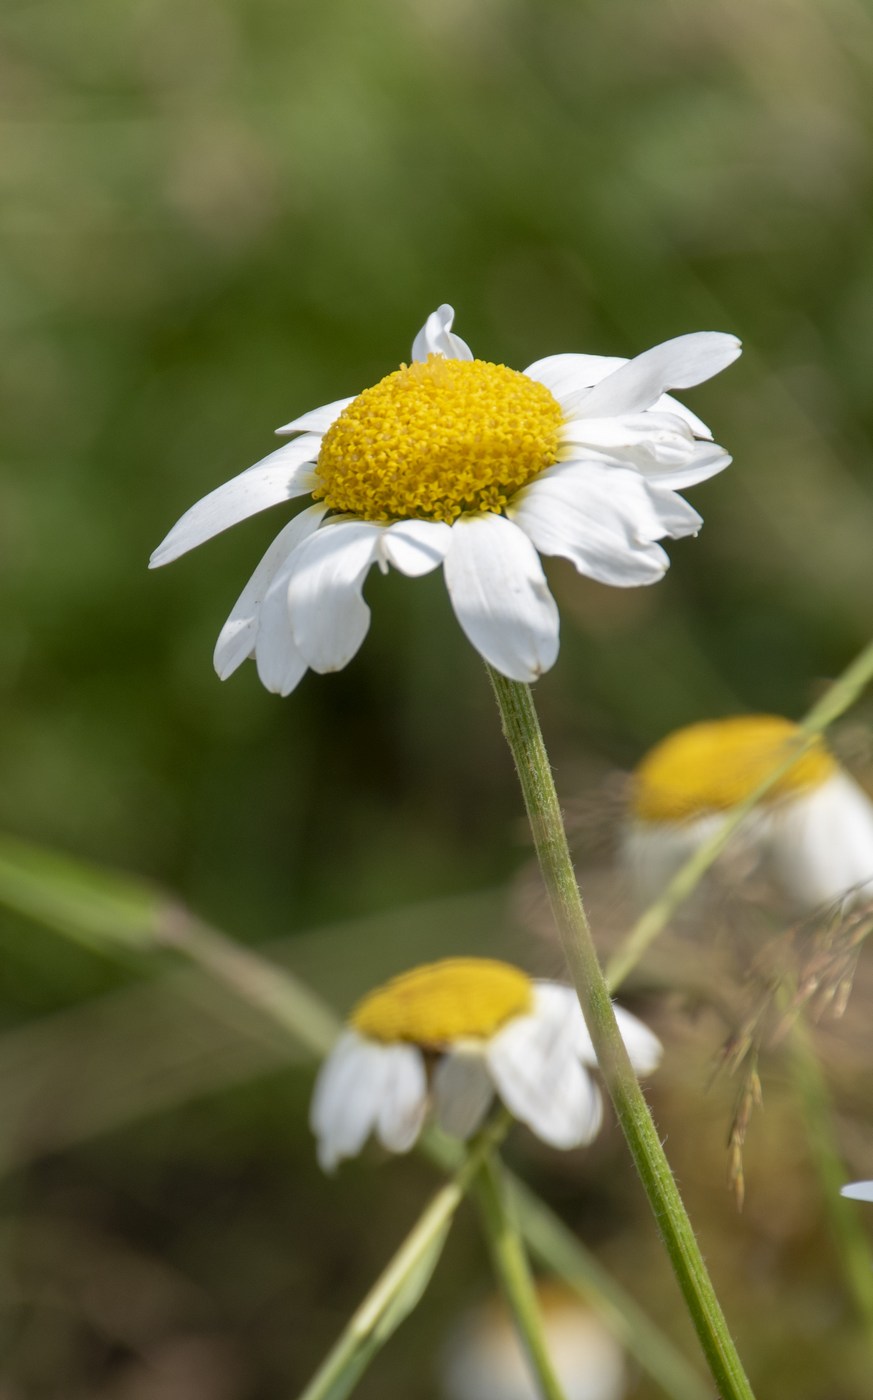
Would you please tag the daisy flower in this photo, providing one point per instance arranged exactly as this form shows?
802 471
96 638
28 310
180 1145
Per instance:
812 833
483 1359
448 1037
462 463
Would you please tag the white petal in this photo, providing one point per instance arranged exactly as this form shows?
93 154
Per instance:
329 618
543 1084
415 547
662 437
404 1098
643 1046
317 420
281 665
858 1191
653 852
676 364
565 375
437 338
604 519
667 404
347 1096
706 460
500 596
557 1005
236 640
286 473
821 844
463 1091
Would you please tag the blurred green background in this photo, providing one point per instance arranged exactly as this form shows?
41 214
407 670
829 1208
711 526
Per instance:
215 214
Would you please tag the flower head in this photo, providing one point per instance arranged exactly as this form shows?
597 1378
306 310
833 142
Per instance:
812 833
449 1036
483 1359
457 462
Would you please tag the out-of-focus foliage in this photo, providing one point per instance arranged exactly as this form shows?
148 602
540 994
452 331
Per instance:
215 214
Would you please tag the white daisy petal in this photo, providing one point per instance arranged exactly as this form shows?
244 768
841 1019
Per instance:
543 1084
462 1091
652 852
667 404
347 1097
437 338
706 460
500 596
281 665
415 547
317 420
286 473
672 515
676 364
329 618
604 519
404 1098
559 1006
643 1046
565 375
661 436
236 640
858 1191
820 844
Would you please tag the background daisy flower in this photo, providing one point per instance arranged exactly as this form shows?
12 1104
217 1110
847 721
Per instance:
483 1359
812 833
449 1036
457 462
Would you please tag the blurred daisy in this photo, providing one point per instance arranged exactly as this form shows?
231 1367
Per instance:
458 462
858 1191
812 833
483 1360
450 1035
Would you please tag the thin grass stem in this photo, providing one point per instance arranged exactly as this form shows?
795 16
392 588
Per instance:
513 1271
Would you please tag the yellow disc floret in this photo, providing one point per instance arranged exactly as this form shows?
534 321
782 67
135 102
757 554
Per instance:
442 1002
437 438
711 766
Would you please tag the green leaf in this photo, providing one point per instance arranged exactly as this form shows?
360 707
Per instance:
94 906
393 1297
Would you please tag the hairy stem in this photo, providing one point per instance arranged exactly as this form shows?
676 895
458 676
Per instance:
522 731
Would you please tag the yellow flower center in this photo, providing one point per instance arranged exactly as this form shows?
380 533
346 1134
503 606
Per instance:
712 766
437 438
441 1002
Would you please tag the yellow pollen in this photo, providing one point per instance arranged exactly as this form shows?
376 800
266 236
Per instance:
710 767
437 438
439 1003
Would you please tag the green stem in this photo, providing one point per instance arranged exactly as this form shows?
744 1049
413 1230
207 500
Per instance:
406 1274
838 697
512 1269
555 1246
522 731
